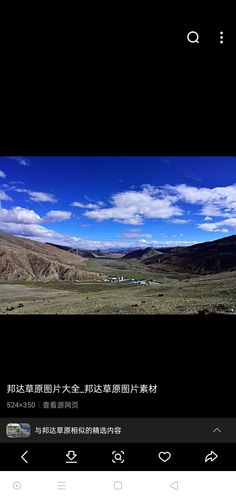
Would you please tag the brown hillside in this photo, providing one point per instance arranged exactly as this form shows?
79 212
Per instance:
141 253
204 258
25 259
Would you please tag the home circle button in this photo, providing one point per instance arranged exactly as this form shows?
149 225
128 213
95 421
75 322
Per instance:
16 485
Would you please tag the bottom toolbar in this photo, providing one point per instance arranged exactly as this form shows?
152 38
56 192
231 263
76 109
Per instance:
117 456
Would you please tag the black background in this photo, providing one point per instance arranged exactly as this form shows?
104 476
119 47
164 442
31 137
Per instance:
121 87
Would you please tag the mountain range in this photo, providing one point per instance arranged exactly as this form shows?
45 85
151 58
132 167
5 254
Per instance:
24 259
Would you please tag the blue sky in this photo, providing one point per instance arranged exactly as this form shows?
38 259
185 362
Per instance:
102 202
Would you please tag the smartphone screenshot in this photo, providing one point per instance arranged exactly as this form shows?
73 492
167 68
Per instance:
118 263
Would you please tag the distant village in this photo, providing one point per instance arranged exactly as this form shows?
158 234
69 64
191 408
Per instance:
123 279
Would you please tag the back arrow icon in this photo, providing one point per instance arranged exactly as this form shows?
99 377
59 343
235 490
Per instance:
175 485
23 457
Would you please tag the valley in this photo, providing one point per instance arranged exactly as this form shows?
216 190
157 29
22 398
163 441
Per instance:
114 284
172 295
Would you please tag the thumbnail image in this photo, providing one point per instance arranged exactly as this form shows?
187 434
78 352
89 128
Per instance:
18 430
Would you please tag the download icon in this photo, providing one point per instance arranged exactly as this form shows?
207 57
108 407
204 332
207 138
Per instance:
71 455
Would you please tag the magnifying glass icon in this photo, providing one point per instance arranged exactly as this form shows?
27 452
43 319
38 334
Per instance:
193 37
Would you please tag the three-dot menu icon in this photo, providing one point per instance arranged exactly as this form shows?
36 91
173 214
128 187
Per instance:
221 37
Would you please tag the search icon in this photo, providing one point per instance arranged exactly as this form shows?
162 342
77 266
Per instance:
193 37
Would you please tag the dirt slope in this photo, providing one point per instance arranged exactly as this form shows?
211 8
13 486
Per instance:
24 259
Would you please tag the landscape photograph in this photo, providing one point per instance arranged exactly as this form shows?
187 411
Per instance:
117 235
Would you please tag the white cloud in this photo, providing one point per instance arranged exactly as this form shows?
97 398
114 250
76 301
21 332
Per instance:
4 196
42 197
2 174
19 215
136 220
132 207
164 244
21 160
215 201
39 233
23 222
212 211
208 218
32 231
85 205
206 227
180 221
38 196
57 216
217 226
135 233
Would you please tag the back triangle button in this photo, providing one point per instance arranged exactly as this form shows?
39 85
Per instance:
175 485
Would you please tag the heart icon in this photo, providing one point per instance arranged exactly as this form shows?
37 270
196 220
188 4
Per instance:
164 456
